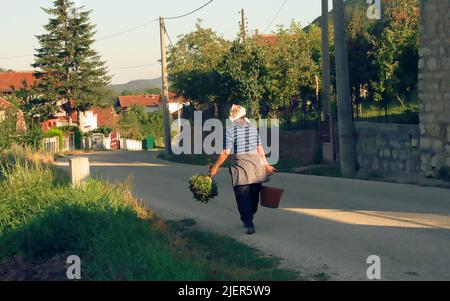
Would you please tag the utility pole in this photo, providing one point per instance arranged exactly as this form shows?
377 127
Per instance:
326 79
347 152
165 88
243 29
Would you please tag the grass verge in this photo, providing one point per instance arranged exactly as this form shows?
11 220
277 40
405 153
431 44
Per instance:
43 220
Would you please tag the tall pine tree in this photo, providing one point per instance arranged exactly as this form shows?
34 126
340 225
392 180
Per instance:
71 74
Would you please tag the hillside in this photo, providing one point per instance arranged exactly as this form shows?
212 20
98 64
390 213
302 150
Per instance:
136 85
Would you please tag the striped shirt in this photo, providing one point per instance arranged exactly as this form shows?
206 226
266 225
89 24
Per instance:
241 138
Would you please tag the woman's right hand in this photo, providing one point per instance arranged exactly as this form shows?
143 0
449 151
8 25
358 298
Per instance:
270 170
212 170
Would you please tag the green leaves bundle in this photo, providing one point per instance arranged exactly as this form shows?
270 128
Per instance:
204 188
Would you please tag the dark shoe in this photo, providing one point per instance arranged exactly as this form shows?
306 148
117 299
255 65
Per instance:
250 230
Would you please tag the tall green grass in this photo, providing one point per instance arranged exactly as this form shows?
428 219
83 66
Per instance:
42 216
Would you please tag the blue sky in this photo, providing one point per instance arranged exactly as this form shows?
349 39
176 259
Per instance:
21 20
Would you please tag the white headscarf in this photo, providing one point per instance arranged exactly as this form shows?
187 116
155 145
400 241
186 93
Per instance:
237 112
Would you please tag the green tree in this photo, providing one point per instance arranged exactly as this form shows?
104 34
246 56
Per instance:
243 70
131 123
70 72
136 123
292 64
126 93
360 63
152 91
396 54
193 67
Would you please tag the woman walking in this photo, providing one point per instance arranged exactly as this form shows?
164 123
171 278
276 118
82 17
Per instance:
249 166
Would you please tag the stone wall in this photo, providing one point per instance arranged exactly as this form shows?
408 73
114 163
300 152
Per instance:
384 148
300 147
434 86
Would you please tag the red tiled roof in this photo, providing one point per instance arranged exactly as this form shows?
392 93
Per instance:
10 80
267 38
106 116
139 100
4 103
149 100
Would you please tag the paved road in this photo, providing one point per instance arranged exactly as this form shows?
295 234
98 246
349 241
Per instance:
325 224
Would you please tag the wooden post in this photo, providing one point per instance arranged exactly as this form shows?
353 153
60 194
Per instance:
243 29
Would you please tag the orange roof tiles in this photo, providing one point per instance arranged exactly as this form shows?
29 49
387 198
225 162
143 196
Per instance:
149 100
15 80
106 116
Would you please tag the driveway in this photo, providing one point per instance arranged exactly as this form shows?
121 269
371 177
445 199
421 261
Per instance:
324 225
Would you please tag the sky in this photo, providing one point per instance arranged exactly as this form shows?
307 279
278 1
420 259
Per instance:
125 54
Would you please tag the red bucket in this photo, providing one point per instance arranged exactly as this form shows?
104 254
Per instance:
270 196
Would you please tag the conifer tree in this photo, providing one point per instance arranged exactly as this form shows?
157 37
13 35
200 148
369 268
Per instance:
71 75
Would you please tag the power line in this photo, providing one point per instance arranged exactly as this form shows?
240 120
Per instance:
127 31
276 16
168 36
190 13
14 57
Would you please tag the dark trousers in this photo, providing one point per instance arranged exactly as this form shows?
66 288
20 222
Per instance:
247 198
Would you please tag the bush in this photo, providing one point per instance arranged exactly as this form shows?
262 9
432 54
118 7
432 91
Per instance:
77 132
55 133
138 124
7 128
106 131
204 188
9 134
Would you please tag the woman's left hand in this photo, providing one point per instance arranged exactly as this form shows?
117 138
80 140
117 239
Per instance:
270 170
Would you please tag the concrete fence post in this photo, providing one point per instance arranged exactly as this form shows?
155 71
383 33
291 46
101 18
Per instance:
79 170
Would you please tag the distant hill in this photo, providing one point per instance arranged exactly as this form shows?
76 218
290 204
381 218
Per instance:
136 85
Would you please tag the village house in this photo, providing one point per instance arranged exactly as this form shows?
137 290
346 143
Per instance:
88 121
152 102
106 117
